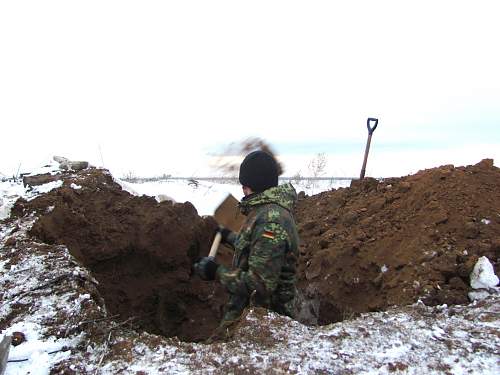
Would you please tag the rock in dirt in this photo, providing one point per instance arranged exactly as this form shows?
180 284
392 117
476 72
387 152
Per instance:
66 164
483 275
40 179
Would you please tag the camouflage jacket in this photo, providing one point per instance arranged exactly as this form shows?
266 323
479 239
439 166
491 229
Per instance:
266 250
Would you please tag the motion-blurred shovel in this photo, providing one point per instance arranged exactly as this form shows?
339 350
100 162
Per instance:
371 129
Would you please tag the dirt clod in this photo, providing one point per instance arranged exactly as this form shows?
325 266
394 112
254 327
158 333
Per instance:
18 338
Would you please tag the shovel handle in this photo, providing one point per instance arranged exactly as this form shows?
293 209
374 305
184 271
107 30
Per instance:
371 129
215 245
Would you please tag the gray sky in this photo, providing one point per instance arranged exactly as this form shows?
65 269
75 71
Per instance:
155 87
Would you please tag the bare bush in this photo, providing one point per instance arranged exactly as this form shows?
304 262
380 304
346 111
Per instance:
129 177
317 165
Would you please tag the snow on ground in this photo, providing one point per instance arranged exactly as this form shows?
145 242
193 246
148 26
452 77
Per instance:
206 195
37 354
412 340
40 298
9 192
49 297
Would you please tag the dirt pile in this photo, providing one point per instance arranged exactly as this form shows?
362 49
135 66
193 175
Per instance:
364 248
139 250
393 242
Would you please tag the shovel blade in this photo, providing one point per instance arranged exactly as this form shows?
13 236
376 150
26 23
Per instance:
229 215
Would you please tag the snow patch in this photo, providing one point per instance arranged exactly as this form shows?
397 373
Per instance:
2 264
75 186
478 295
36 355
51 167
4 211
125 186
205 196
485 221
9 193
163 197
43 189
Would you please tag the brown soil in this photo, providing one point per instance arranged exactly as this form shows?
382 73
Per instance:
426 231
140 251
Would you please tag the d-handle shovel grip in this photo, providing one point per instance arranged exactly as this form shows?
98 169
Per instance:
371 129
215 245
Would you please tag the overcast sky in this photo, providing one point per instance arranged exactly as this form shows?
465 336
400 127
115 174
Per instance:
153 87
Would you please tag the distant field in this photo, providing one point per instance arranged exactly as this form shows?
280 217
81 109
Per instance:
230 179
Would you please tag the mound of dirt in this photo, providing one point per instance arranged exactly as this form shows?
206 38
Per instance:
392 242
139 250
364 248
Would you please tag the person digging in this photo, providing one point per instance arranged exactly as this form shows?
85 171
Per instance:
263 272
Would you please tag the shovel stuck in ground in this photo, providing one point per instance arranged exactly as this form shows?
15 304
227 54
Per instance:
371 129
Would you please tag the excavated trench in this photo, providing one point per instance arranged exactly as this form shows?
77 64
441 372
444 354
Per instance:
140 251
363 248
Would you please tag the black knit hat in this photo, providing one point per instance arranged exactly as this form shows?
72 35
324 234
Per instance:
259 171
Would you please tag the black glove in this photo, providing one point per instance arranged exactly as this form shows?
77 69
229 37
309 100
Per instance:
224 233
206 268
